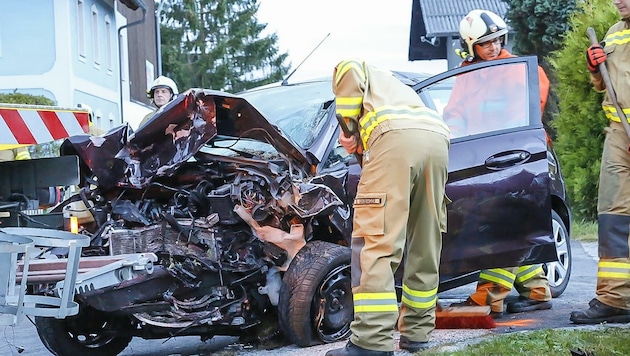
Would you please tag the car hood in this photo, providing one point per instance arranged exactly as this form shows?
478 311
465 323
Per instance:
173 135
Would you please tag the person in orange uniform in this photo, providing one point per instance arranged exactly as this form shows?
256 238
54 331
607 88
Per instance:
483 35
612 303
479 95
400 207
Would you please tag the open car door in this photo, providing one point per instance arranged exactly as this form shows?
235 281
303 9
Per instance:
499 180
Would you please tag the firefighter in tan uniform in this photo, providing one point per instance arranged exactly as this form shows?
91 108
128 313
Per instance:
483 35
400 207
15 154
612 303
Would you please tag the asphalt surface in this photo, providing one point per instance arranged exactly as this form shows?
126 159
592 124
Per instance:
580 290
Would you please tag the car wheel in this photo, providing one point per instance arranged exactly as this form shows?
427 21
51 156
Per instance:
559 272
316 295
91 332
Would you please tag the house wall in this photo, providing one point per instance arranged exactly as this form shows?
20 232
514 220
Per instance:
67 51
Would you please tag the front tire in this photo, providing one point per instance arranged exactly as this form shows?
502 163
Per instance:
316 295
91 332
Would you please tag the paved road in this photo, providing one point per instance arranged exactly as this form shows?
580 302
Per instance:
580 290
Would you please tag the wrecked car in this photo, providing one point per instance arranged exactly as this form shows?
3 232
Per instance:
233 213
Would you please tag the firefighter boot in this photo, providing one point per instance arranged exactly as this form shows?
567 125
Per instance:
526 304
412 346
354 350
599 313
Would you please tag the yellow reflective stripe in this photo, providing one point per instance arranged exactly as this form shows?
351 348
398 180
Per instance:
419 299
618 38
22 156
369 122
345 66
526 273
611 112
498 276
616 270
349 106
375 302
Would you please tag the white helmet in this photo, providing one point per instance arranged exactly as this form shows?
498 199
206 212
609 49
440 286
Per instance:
163 82
480 26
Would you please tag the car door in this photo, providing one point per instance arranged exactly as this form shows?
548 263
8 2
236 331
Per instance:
498 180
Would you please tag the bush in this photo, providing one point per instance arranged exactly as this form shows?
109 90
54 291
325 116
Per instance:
580 122
19 98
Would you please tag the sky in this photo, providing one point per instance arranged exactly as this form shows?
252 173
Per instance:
374 30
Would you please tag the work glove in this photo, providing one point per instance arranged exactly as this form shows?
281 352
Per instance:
595 56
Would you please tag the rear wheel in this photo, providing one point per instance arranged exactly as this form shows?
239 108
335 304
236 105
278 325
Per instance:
91 332
316 295
559 271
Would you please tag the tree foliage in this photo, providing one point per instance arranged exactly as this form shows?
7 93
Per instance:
581 121
539 27
218 44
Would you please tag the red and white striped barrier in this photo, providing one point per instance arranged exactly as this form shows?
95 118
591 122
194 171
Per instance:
32 124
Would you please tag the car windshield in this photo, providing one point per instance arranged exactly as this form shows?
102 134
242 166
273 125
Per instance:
299 111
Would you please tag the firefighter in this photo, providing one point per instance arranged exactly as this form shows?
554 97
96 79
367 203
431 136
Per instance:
15 154
612 303
162 91
400 206
483 35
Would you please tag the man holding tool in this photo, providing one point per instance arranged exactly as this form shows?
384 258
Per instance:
400 207
610 68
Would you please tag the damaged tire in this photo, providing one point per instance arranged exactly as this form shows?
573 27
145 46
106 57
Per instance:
316 295
91 332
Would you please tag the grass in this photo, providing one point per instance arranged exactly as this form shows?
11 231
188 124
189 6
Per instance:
585 231
549 342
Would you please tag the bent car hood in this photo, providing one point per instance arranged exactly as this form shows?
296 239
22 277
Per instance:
173 135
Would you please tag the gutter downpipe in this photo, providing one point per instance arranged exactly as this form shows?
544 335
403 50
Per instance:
158 35
143 6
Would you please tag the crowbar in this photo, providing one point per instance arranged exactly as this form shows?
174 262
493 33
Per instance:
590 32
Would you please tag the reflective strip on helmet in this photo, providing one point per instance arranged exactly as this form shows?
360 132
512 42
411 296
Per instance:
370 121
614 270
375 302
499 276
419 299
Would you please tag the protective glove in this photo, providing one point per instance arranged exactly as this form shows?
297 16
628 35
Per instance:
595 56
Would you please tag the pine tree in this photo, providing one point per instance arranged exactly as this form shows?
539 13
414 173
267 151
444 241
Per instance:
218 44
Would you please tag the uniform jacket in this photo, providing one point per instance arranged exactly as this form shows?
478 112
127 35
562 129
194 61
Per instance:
618 51
376 101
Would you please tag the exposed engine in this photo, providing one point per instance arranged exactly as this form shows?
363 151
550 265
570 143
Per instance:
223 232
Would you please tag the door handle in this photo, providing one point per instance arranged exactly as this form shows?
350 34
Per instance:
507 159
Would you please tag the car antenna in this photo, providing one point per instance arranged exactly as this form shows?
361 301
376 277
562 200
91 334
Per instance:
285 80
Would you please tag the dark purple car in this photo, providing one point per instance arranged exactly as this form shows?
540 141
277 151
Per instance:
242 203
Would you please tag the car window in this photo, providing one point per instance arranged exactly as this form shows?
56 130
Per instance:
482 101
299 111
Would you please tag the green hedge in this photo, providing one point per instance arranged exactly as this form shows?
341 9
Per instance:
580 122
